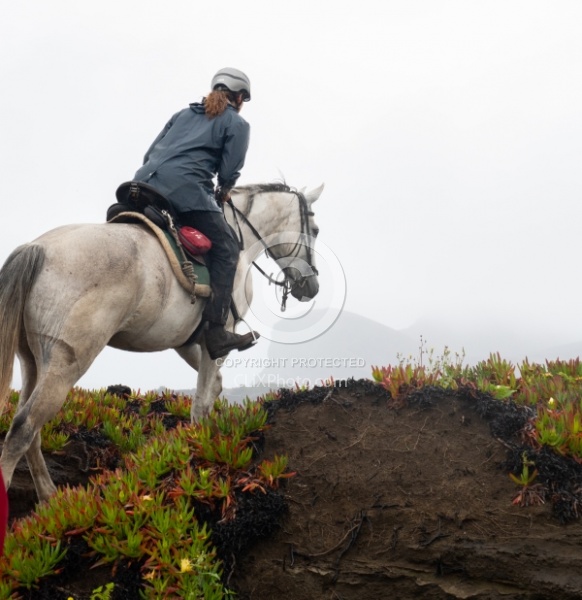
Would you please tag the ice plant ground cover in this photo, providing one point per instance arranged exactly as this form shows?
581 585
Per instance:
436 472
152 509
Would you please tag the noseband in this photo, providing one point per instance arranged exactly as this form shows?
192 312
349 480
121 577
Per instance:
287 285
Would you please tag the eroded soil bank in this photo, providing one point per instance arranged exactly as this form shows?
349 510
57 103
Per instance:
413 503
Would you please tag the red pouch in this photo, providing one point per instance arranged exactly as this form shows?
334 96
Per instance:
3 513
193 241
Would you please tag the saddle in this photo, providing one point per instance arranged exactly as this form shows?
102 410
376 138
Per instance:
184 246
145 199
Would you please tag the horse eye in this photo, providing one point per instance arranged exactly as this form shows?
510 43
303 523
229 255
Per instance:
315 231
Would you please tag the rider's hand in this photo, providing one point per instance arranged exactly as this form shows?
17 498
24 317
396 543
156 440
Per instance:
221 195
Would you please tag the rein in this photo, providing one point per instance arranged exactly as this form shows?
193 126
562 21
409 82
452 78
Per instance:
304 213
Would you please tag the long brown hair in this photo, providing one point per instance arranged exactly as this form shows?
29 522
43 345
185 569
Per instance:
217 101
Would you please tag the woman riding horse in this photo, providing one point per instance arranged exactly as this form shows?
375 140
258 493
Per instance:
74 290
207 140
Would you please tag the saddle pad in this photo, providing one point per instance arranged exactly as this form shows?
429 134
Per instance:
201 270
171 250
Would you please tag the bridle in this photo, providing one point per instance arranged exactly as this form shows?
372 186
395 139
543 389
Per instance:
289 282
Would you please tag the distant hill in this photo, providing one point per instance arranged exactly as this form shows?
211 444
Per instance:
348 349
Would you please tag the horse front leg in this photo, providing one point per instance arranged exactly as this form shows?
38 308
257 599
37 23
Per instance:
209 384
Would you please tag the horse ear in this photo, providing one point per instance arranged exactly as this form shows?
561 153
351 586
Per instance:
313 195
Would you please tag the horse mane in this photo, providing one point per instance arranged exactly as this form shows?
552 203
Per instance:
254 189
259 188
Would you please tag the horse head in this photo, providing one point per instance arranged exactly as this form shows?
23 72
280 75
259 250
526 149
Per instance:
298 265
282 223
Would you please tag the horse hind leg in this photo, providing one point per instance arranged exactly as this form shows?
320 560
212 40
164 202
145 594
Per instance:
43 482
34 457
28 373
24 436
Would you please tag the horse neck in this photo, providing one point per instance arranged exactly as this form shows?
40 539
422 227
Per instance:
269 213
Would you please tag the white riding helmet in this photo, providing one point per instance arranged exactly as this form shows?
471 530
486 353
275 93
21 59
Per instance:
234 80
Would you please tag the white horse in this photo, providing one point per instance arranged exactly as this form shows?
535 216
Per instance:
78 288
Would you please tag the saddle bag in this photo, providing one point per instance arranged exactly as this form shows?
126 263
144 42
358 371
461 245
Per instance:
194 241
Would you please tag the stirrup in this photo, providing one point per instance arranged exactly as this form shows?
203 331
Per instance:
252 332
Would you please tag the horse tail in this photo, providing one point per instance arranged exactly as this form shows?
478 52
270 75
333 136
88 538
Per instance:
17 276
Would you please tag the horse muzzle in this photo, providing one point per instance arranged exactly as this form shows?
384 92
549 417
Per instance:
304 287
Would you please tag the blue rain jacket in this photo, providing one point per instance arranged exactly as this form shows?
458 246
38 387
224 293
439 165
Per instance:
190 151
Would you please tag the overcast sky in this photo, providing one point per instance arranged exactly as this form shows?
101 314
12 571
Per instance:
448 135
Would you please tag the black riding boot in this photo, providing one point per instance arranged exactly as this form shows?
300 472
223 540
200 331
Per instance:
219 341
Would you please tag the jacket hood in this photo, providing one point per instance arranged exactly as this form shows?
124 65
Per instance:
197 107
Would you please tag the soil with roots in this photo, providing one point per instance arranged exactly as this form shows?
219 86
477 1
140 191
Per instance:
389 501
